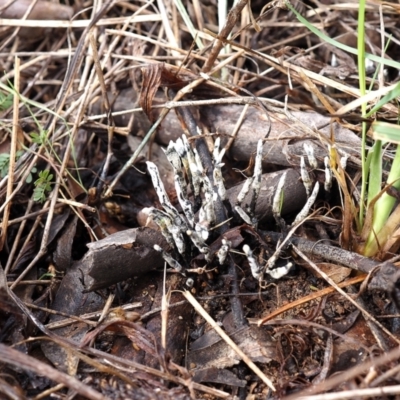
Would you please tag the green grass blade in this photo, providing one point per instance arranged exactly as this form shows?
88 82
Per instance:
361 80
375 171
383 207
395 92
186 18
386 132
351 50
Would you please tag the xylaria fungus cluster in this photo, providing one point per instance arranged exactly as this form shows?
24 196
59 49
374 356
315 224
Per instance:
193 229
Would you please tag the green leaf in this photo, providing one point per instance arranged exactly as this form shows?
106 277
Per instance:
386 131
4 163
395 92
35 138
38 195
39 138
6 101
375 171
42 186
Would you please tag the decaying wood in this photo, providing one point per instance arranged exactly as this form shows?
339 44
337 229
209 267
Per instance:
294 194
285 137
384 274
71 299
138 122
41 10
62 257
123 255
38 10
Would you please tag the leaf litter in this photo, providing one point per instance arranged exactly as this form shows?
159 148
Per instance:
216 270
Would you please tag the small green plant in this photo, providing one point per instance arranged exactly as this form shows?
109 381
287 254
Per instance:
6 101
42 186
5 163
378 220
39 138
29 178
